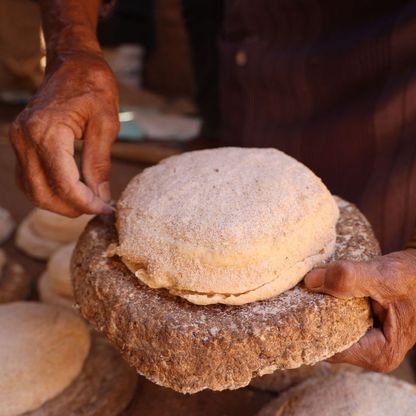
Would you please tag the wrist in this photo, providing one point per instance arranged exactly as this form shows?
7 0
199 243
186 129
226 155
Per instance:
70 27
72 41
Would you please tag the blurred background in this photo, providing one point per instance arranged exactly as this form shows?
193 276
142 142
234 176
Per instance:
146 44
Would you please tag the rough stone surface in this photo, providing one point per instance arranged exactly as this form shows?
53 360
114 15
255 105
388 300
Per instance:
190 348
105 386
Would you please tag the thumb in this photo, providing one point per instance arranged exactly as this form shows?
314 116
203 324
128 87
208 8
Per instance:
96 155
346 279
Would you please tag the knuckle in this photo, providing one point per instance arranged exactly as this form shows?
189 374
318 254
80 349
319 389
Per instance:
32 127
341 277
61 187
37 196
111 123
16 134
97 169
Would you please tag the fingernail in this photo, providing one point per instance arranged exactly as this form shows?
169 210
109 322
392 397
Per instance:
107 209
315 279
104 191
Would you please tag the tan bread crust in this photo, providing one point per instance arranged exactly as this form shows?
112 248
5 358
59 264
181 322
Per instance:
346 394
199 226
189 347
47 293
105 386
42 351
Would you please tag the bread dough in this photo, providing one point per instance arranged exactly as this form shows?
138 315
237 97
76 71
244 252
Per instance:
228 225
32 244
6 225
346 394
48 295
57 227
58 271
42 350
55 286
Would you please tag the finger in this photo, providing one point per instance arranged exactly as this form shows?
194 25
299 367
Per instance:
380 349
347 280
36 186
30 177
63 175
366 353
96 154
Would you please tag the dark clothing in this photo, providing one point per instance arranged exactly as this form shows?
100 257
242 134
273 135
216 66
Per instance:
331 83
334 85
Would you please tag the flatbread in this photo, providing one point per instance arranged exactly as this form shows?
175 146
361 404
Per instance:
42 350
227 225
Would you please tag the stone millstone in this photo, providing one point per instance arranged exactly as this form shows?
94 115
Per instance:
189 347
104 387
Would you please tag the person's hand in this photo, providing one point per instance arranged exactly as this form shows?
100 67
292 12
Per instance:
390 283
77 100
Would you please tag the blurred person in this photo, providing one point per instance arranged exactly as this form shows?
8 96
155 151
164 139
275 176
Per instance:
20 48
331 83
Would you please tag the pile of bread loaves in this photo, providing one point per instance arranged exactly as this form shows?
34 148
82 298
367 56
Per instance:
197 283
52 362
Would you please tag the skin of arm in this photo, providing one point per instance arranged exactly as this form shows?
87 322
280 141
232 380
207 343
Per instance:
78 99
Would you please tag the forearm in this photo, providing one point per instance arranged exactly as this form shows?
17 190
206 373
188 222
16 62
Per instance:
69 26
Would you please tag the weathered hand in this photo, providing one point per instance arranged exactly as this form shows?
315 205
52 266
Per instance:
390 283
77 100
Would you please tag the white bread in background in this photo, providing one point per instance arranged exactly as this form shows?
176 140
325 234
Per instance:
57 227
31 243
346 394
58 270
281 380
42 350
48 295
43 232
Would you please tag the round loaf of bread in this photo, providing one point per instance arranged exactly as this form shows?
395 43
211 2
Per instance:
283 379
189 347
31 243
104 387
47 293
55 227
42 351
227 225
346 394
58 271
